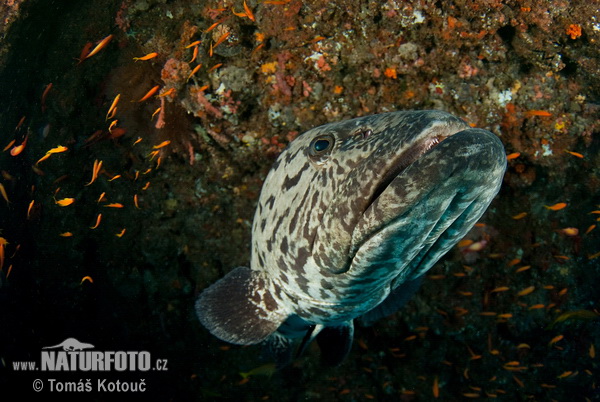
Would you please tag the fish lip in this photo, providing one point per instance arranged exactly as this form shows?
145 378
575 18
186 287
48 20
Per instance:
407 158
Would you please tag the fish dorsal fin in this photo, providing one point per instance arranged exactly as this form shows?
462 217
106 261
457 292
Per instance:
239 308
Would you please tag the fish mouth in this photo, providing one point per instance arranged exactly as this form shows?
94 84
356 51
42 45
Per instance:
407 158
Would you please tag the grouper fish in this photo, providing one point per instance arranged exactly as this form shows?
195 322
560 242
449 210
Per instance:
350 218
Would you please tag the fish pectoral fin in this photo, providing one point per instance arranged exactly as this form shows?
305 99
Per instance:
395 300
335 343
310 335
239 308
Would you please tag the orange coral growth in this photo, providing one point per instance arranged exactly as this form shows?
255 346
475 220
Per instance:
390 73
574 31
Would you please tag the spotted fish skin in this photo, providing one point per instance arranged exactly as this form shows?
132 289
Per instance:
350 214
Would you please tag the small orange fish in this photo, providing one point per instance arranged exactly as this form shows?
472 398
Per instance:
10 144
519 216
150 93
146 186
7 176
194 71
146 57
95 170
526 291
4 194
137 141
57 150
157 111
135 201
242 15
593 256
101 198
114 205
213 26
221 39
556 207
569 231
213 68
541 113
94 137
577 154
65 202
19 148
29 208
162 144
37 170
248 12
555 339
86 278
514 155
43 158
66 234
112 125
464 243
113 107
153 154
98 219
117 132
115 177
194 54
100 46
20 123
45 95
85 51
195 43
168 92
3 243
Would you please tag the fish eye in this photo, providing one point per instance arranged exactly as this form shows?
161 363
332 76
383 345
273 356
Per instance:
321 144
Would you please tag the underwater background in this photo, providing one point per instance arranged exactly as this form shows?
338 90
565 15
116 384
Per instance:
135 136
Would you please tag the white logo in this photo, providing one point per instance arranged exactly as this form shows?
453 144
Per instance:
71 344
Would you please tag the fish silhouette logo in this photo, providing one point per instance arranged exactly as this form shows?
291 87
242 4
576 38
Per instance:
71 345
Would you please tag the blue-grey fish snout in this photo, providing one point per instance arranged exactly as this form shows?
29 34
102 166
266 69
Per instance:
477 147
